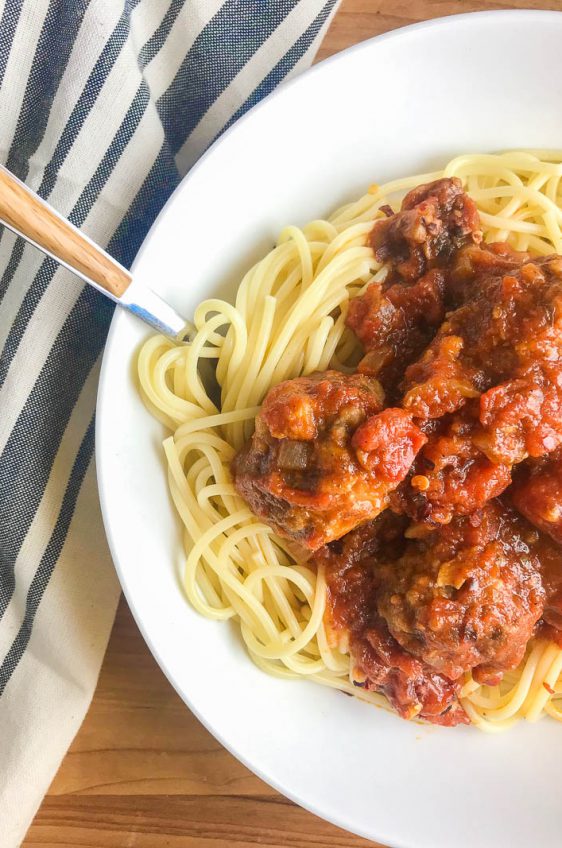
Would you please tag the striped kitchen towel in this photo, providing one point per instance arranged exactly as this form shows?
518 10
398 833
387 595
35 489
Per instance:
104 105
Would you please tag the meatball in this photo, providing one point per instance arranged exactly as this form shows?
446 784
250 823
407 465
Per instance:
450 475
411 686
466 595
503 345
324 456
396 319
434 221
379 663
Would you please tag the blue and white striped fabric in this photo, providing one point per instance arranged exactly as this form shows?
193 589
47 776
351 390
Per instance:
104 105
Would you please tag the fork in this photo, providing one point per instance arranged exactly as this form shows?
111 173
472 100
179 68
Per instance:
29 216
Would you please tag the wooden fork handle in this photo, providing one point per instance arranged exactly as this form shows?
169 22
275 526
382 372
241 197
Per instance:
24 212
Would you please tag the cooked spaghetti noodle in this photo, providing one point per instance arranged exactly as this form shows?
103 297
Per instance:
289 320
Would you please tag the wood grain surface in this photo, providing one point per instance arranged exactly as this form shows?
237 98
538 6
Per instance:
142 772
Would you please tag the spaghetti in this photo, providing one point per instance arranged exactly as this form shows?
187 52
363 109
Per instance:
289 320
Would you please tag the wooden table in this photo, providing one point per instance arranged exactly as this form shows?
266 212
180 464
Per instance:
142 772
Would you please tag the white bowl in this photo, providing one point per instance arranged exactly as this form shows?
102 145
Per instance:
398 104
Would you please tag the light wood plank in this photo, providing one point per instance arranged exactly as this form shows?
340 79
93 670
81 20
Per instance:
183 822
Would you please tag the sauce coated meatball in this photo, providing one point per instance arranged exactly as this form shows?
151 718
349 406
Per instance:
396 319
451 475
324 456
434 221
503 345
379 663
412 687
466 595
